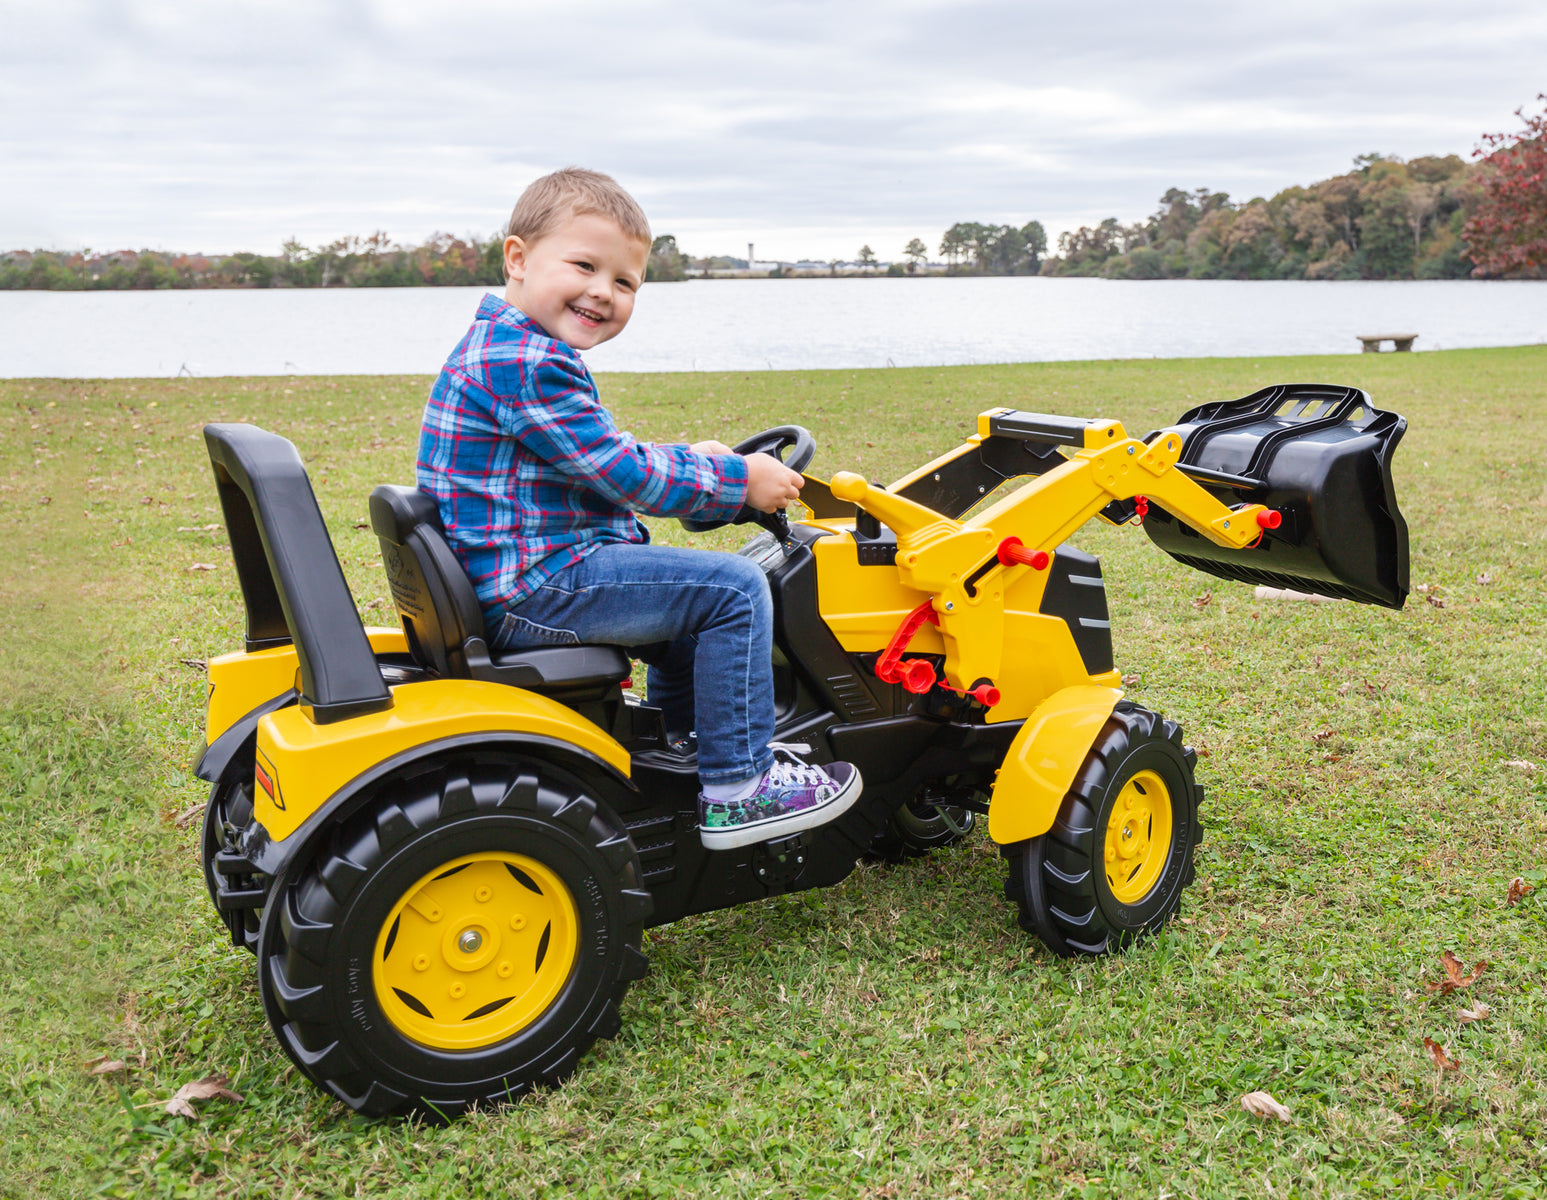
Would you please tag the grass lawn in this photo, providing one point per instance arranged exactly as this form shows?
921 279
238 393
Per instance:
1374 779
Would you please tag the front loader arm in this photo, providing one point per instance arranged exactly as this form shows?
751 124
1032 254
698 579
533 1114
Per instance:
964 565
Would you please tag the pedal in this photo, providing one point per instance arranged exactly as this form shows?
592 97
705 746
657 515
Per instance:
780 863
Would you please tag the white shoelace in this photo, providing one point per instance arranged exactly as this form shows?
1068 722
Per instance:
789 771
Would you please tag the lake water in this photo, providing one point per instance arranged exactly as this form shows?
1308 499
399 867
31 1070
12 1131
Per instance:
738 325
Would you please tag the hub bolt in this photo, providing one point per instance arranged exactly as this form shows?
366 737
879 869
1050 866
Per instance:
469 941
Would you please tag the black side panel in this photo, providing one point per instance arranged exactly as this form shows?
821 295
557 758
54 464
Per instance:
895 757
1076 593
809 646
283 553
955 486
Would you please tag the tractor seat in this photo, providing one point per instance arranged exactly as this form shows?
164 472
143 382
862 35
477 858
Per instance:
443 621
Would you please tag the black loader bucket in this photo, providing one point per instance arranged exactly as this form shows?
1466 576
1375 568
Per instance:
1321 456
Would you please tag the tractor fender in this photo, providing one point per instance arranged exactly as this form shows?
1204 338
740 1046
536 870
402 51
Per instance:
220 753
273 857
304 767
1040 765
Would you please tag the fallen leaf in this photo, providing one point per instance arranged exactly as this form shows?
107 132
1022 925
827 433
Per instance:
361 525
45 499
1323 735
1478 1012
211 1087
1436 601
1343 691
1485 578
1437 1052
1423 589
106 1066
1454 977
1203 601
1520 764
1260 1104
187 816
1519 889
194 664
1130 680
202 567
196 528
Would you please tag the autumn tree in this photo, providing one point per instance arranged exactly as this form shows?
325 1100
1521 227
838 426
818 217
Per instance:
1507 236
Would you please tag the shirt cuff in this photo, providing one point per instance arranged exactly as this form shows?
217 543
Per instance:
730 472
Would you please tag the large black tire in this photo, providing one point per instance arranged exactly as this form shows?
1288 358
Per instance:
228 810
354 959
1120 852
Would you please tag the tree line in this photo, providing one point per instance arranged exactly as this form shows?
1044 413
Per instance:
1388 218
373 261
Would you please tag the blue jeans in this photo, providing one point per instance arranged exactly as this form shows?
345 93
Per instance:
701 619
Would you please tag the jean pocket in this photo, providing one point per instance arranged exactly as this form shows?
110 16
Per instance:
518 633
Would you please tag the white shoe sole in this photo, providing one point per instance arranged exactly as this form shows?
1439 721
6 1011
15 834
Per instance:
733 837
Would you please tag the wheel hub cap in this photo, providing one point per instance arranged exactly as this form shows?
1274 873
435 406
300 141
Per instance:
1138 837
475 951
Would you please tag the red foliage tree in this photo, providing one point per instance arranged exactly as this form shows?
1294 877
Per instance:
1507 235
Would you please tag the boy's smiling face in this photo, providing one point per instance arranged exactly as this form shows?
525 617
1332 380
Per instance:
579 281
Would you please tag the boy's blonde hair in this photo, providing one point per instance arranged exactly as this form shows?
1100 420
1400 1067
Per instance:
573 192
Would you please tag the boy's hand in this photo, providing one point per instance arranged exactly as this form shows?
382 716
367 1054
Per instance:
770 484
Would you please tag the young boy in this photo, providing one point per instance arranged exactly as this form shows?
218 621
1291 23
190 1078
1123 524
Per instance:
538 489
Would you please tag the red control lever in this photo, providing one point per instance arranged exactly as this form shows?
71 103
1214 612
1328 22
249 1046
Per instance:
917 675
1270 518
1012 552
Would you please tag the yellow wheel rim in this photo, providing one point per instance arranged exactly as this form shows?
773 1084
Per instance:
1138 839
475 951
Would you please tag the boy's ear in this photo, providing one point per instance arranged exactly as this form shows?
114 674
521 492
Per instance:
515 258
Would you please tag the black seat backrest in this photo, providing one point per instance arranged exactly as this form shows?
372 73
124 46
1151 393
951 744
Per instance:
434 597
442 618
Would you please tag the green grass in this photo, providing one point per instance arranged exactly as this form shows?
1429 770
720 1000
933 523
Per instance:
894 1036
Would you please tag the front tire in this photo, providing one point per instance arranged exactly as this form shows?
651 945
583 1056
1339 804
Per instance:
464 938
1120 852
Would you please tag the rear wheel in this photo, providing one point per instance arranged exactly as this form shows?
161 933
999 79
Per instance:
464 938
1120 852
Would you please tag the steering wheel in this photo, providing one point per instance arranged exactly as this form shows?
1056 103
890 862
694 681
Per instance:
801 445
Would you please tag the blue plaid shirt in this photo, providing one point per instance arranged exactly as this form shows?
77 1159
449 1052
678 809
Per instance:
530 471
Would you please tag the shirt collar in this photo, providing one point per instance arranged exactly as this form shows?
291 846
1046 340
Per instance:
501 311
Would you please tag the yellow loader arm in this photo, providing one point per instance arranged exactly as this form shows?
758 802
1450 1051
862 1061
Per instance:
964 566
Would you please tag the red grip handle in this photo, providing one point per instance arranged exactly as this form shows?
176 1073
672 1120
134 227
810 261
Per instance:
1270 518
1011 551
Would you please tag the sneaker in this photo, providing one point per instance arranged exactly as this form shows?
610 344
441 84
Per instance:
792 795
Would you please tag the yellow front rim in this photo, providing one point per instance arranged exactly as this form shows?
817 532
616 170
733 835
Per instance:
1138 840
475 951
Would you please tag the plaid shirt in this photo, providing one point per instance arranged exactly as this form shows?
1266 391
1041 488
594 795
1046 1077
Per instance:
530 471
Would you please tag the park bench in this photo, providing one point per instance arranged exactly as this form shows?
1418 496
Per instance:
1372 341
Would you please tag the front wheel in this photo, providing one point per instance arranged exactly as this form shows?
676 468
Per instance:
1120 852
462 939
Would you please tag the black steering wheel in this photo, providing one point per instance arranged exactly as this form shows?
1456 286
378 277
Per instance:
797 440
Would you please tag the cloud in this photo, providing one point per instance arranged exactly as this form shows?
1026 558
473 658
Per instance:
197 125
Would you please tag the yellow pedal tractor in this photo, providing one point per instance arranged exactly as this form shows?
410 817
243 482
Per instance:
444 856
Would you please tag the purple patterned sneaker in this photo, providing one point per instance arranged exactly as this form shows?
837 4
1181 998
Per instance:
792 795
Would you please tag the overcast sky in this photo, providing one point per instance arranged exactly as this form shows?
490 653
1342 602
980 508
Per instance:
807 128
